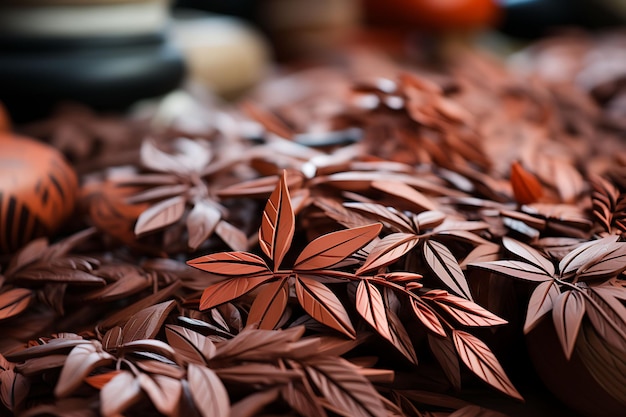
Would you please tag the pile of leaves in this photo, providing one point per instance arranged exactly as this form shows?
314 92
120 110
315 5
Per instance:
366 240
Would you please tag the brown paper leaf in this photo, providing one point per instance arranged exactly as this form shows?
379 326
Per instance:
567 313
446 268
80 362
370 305
231 264
161 214
387 216
515 269
323 305
119 394
208 392
100 380
268 306
14 389
301 398
332 248
406 193
146 323
232 288
164 392
201 222
427 316
343 387
257 374
482 362
464 311
252 405
607 315
277 224
232 236
528 254
400 337
14 301
526 187
475 411
191 346
541 302
443 350
388 250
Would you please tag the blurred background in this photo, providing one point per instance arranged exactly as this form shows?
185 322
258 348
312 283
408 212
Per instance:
110 54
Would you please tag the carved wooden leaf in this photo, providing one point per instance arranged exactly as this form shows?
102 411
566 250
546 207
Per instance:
567 314
235 264
389 249
466 312
208 392
119 394
343 387
323 305
80 362
446 268
191 346
481 361
269 304
14 301
232 288
164 392
443 350
201 222
526 187
146 323
331 248
428 317
277 224
370 305
541 302
529 254
160 215
515 269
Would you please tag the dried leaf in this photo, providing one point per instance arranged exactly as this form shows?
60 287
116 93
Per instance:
119 394
301 398
443 349
164 392
14 301
567 314
526 187
161 214
388 250
446 268
323 305
146 323
232 288
231 264
201 222
607 315
370 305
191 346
475 411
80 362
332 248
481 361
277 224
386 215
406 193
208 392
269 305
541 302
256 374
